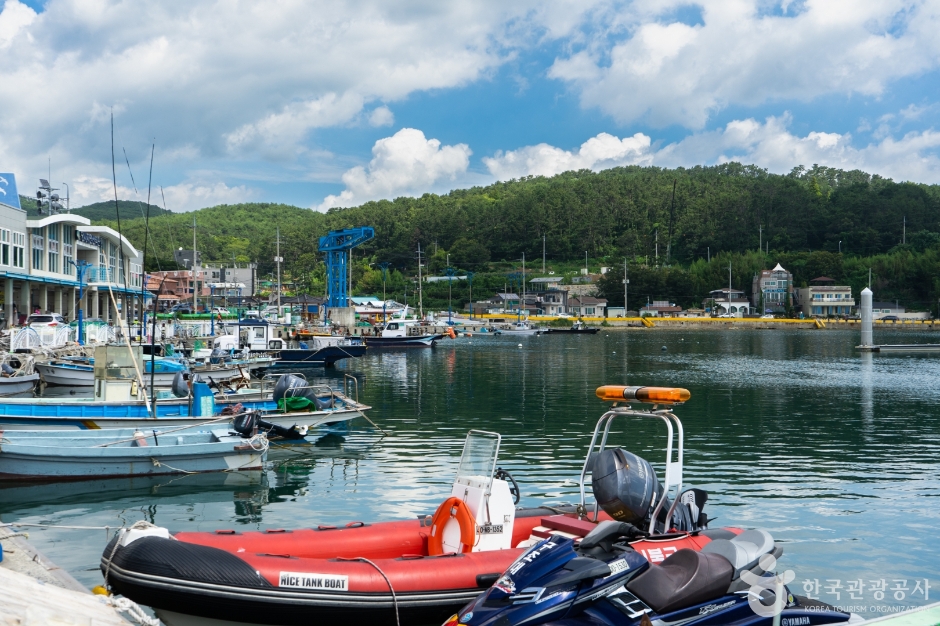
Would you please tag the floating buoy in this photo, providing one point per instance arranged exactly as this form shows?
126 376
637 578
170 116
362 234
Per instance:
98 590
663 348
520 345
615 352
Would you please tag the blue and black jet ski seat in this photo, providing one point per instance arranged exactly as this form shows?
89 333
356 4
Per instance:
684 579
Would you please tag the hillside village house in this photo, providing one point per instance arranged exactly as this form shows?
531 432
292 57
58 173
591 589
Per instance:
38 257
824 298
770 290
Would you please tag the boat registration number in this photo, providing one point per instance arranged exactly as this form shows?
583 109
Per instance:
620 565
491 529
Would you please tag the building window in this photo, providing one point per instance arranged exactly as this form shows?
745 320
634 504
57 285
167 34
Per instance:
19 250
112 261
38 249
4 246
52 235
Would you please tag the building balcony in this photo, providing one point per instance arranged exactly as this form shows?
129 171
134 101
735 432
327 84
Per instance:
101 274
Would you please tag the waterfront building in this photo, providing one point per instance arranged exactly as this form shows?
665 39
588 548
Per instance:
727 301
772 290
587 306
823 298
39 260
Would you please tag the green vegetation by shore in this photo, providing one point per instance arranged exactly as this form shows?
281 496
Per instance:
667 223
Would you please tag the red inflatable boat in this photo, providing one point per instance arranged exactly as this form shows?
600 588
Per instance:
321 575
417 571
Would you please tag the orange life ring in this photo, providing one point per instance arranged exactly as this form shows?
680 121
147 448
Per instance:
452 508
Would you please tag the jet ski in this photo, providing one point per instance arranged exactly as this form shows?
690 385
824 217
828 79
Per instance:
603 580
418 570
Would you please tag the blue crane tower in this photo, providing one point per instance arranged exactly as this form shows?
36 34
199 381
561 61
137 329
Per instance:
337 244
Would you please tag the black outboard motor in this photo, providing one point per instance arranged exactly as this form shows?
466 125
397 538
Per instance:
625 486
179 387
246 424
216 356
290 386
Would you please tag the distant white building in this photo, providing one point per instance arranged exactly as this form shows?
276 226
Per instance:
727 301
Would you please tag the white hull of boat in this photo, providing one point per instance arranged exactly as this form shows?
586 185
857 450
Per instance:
18 384
308 419
522 333
54 375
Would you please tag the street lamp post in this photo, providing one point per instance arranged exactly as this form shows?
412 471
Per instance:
80 266
840 247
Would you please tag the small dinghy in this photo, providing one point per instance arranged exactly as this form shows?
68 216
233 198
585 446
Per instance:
114 452
417 571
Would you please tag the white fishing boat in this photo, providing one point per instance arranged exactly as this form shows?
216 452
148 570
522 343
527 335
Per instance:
523 328
80 372
17 374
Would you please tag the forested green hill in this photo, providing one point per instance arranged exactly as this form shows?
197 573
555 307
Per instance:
683 215
99 211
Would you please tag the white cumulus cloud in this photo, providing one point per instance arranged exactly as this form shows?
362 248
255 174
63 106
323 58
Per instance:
597 153
769 144
650 65
185 196
407 163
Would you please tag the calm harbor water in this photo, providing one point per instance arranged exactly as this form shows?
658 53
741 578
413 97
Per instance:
837 454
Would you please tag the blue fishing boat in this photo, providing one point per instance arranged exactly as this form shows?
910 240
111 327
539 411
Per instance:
121 401
63 455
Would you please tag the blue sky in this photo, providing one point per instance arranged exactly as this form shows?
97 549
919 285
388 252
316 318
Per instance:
334 104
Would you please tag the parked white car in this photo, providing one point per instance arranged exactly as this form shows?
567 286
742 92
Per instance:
45 320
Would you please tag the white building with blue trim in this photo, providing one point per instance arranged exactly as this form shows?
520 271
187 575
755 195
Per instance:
39 257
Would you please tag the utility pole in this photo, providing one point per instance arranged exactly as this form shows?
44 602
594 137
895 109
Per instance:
709 254
420 294
729 287
195 271
585 263
523 285
543 254
657 246
760 236
626 283
904 231
279 259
